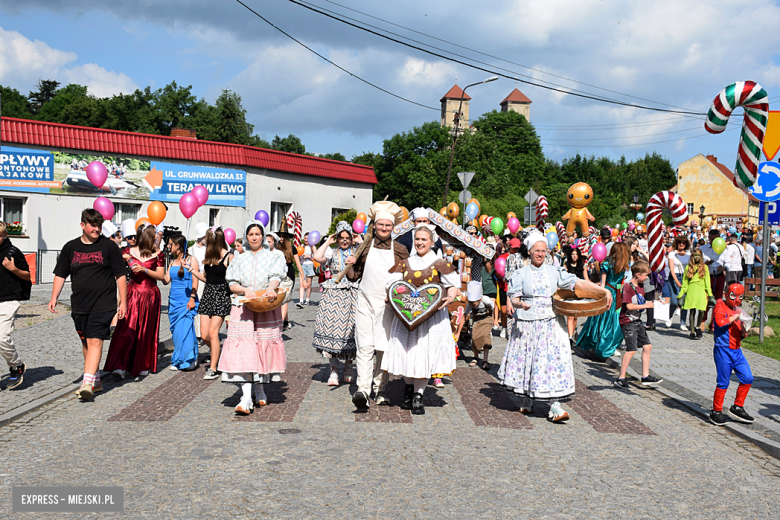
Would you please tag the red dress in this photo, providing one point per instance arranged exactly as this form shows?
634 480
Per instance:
134 343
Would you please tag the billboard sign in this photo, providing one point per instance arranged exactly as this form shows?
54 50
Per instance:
65 174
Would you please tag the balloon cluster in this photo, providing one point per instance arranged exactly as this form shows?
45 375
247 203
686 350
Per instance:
190 202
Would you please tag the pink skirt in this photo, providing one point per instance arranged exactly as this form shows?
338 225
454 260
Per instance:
254 343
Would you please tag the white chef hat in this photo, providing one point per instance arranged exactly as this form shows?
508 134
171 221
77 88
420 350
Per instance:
128 228
200 230
109 229
385 210
474 291
532 238
419 213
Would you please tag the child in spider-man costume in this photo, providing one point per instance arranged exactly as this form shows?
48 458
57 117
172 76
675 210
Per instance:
729 331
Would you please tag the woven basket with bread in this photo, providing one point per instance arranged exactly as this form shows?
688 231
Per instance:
261 303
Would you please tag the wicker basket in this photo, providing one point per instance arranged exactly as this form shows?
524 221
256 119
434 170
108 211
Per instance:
565 303
261 303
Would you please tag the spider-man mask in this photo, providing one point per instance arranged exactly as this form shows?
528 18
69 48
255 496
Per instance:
734 295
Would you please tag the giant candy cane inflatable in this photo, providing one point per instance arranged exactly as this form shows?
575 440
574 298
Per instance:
541 212
655 206
563 237
295 224
753 99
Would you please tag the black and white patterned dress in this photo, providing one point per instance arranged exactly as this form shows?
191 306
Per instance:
334 328
216 294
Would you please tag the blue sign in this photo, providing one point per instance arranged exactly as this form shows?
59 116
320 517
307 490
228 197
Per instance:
767 186
27 170
773 215
168 182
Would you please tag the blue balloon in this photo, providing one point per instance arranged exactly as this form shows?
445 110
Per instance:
472 210
552 239
640 216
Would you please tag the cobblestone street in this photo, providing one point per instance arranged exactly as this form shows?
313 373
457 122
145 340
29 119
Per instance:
173 442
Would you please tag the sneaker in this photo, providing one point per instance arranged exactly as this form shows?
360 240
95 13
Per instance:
417 404
683 327
85 392
348 376
676 312
360 400
438 383
651 381
17 376
717 418
210 374
299 304
617 353
143 373
621 383
693 335
739 414
118 373
97 387
333 380
306 303
287 326
174 368
275 378
668 324
381 399
503 333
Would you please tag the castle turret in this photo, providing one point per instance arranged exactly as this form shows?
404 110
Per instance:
518 102
449 107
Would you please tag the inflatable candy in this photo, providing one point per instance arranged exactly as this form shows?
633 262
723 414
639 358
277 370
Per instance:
542 210
655 206
753 99
295 224
562 235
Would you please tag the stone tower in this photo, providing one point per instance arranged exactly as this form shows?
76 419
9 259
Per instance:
449 106
518 102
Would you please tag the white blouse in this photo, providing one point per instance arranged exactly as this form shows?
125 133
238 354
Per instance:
255 270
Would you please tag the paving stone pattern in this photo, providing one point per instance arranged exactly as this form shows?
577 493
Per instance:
486 402
201 463
284 398
604 416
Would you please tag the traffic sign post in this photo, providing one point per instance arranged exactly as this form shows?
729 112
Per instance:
465 178
773 211
464 197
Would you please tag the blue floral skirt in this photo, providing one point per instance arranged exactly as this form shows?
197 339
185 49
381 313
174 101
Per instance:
537 362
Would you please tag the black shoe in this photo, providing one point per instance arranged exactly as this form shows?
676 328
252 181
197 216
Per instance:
287 326
621 383
381 399
417 404
738 414
698 334
650 327
299 304
406 404
17 376
717 418
360 400
693 335
651 381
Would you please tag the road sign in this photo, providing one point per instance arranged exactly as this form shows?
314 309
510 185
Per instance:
531 196
774 214
529 215
767 186
464 196
465 179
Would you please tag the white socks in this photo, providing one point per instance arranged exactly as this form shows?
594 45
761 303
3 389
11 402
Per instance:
419 385
246 393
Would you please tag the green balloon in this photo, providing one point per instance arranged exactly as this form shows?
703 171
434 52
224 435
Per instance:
497 225
623 225
719 245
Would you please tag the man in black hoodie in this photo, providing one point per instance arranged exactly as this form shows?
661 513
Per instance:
14 286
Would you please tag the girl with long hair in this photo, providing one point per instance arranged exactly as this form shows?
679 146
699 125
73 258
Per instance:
696 285
134 344
182 305
602 333
678 261
574 264
292 261
215 304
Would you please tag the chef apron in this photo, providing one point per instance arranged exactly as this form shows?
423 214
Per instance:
372 323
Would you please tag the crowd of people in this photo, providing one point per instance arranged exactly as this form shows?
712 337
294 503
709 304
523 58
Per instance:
115 297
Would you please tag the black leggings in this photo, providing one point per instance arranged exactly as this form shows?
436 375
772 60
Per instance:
650 296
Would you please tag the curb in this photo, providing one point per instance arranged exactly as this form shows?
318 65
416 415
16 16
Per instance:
770 447
15 414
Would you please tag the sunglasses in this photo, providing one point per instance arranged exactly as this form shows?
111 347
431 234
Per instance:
130 237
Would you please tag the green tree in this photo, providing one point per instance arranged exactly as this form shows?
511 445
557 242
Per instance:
14 104
334 156
349 216
47 89
291 143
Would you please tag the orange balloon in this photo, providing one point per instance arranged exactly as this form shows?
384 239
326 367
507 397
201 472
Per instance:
509 215
156 212
482 220
140 221
316 265
405 213
443 211
300 250
363 217
615 232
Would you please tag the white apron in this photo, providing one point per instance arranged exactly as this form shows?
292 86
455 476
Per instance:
372 319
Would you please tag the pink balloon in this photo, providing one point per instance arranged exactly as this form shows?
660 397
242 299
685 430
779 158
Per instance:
513 225
201 193
358 226
599 252
230 235
188 204
105 207
631 227
97 173
500 266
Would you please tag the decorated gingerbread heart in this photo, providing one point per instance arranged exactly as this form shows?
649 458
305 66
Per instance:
413 305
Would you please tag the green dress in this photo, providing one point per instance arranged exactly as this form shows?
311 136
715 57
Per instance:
697 289
602 333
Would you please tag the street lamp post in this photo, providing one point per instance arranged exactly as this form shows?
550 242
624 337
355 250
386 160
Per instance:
701 216
455 136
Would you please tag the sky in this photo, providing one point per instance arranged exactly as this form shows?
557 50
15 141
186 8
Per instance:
663 54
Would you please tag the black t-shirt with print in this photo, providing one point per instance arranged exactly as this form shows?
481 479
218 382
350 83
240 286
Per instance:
93 269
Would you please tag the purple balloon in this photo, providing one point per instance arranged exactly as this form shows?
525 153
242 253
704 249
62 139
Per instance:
97 173
105 207
201 193
188 204
314 238
262 216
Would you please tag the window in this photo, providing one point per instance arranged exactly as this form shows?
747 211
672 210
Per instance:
213 216
125 211
690 208
279 212
12 209
335 212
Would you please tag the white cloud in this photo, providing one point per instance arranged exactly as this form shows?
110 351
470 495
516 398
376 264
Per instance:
23 62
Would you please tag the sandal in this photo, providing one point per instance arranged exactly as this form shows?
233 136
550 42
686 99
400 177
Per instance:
474 362
485 366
